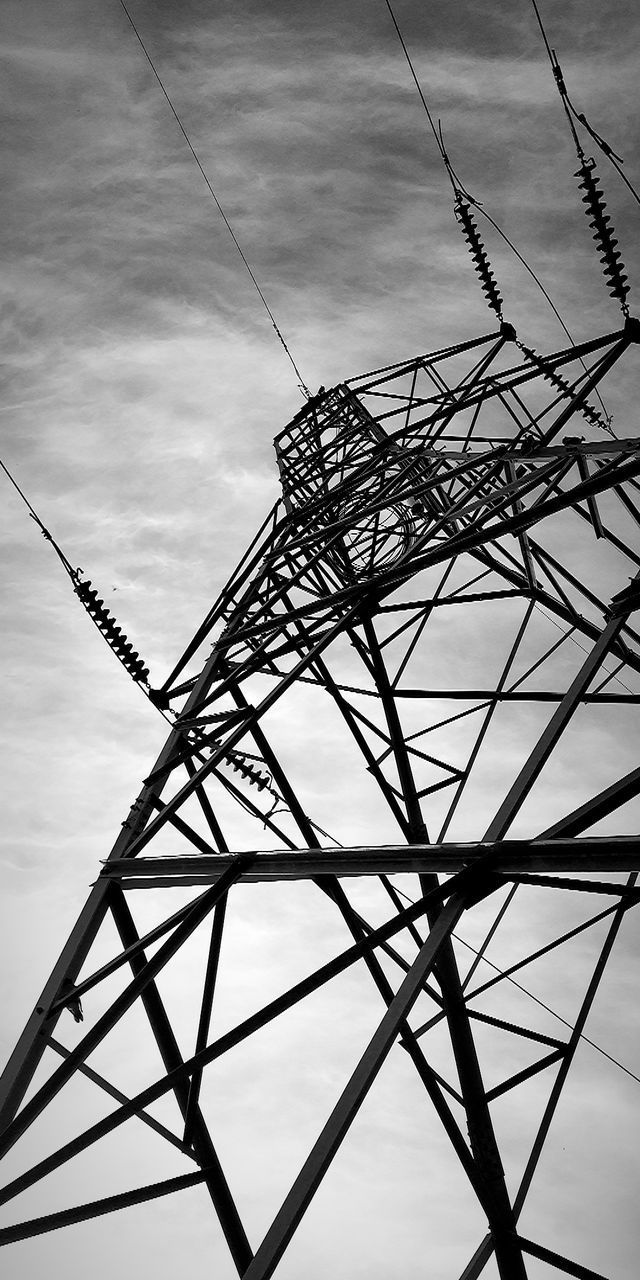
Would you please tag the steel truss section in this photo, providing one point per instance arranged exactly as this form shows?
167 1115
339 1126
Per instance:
450 581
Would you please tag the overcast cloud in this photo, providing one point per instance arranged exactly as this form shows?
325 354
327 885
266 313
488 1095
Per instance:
143 385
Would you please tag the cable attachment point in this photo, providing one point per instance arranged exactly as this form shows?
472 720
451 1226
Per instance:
45 532
557 72
606 243
479 254
112 633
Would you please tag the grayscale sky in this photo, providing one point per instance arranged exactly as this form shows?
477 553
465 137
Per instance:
143 385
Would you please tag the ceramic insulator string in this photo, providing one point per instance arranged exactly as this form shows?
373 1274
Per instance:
109 628
599 221
479 255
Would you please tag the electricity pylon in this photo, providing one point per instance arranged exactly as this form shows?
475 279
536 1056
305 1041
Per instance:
446 578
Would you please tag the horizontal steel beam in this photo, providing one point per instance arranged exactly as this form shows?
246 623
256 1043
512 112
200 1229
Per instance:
587 448
597 854
95 1209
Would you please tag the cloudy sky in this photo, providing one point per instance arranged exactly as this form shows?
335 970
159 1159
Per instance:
144 384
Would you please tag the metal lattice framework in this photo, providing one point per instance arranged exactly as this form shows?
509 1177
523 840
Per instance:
435 519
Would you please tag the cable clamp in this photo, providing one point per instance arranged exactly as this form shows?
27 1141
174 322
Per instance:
557 71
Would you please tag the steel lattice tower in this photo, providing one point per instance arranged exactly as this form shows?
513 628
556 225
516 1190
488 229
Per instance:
436 519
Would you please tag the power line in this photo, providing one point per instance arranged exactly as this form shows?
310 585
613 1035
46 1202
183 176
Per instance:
548 1009
34 516
259 291
572 114
32 511
460 191
536 999
417 83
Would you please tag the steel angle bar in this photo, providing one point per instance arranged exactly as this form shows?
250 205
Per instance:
510 857
277 772
556 1260
500 383
629 506
92 1039
350 716
185 830
329 886
229 1040
479 1260
600 806
417 829
123 958
507 973
252 718
569 1055
551 735
520 1077
22 1064
485 1250
217 1185
608 533
206 1007
597 373
398 369
24 1060
513 574
471 541
482 1138
576 885
392 953
515 1029
359 928
96 1208
287 1220
486 721
122 1097
583 467
485 696
240 573
386 580
433 1084
513 453
207 809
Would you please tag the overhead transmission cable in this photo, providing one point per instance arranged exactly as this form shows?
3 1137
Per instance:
240 761
617 285
608 151
88 596
463 201
301 383
593 198
616 1062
